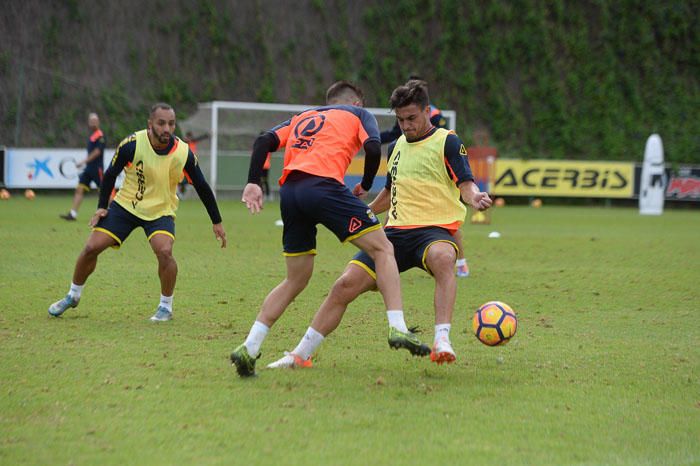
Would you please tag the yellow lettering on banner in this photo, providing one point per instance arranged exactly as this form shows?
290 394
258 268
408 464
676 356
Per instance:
357 167
567 178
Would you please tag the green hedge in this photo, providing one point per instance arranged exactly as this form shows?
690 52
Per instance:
555 79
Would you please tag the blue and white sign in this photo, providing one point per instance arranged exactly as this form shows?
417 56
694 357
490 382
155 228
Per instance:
45 168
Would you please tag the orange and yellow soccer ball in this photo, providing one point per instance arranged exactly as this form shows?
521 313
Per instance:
4 194
494 323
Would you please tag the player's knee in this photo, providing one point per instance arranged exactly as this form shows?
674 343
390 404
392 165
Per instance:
92 250
89 251
344 289
442 259
164 254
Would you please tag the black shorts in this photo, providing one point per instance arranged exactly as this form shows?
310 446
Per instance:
119 223
307 200
410 248
92 173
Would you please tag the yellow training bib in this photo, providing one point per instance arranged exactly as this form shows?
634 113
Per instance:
422 191
150 185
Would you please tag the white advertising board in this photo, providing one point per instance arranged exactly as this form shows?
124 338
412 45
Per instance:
45 167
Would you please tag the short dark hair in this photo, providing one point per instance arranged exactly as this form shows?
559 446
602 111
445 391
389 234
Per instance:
342 89
414 91
158 105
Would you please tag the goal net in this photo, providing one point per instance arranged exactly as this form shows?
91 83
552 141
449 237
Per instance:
233 126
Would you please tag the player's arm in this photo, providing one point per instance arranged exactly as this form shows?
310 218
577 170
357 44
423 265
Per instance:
368 132
196 177
473 196
267 142
264 144
457 166
373 155
94 153
382 202
123 156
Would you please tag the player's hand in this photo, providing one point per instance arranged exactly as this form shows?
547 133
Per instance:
80 164
253 197
359 191
99 213
220 233
480 201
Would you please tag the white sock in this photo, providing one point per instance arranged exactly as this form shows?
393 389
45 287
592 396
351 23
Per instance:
255 339
166 302
396 320
308 344
461 262
74 213
442 331
75 291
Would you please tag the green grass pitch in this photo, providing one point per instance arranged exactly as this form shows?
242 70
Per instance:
604 369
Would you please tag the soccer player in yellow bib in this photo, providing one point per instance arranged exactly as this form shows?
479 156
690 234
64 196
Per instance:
428 174
153 161
438 120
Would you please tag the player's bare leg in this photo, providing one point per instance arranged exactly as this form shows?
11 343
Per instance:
78 197
440 259
84 266
349 286
162 246
345 290
87 259
461 263
77 200
380 249
299 271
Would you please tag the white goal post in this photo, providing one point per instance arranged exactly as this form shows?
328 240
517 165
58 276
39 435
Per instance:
232 127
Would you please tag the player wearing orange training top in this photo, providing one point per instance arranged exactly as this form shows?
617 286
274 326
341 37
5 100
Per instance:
319 145
428 181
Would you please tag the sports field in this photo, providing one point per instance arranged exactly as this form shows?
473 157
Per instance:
604 369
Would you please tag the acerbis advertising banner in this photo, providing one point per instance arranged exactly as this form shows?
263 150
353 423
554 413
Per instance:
45 168
564 178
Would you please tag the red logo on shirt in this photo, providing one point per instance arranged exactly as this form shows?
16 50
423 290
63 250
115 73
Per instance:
355 224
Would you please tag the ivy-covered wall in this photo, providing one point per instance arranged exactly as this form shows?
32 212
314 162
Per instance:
555 79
